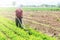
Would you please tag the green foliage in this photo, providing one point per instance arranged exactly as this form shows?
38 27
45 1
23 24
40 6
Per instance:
11 9
41 9
2 36
15 33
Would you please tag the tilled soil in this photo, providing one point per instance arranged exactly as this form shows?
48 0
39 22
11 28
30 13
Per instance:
49 18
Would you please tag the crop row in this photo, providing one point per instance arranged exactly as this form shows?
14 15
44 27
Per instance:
15 33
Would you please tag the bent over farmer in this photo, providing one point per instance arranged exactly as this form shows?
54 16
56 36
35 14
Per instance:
19 16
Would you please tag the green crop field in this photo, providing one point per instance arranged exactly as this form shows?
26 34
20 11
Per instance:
9 31
41 9
31 9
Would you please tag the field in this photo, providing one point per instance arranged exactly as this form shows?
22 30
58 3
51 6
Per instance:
45 21
41 9
9 31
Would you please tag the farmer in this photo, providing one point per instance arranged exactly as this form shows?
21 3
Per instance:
19 16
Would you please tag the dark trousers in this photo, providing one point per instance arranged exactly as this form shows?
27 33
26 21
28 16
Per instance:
19 22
